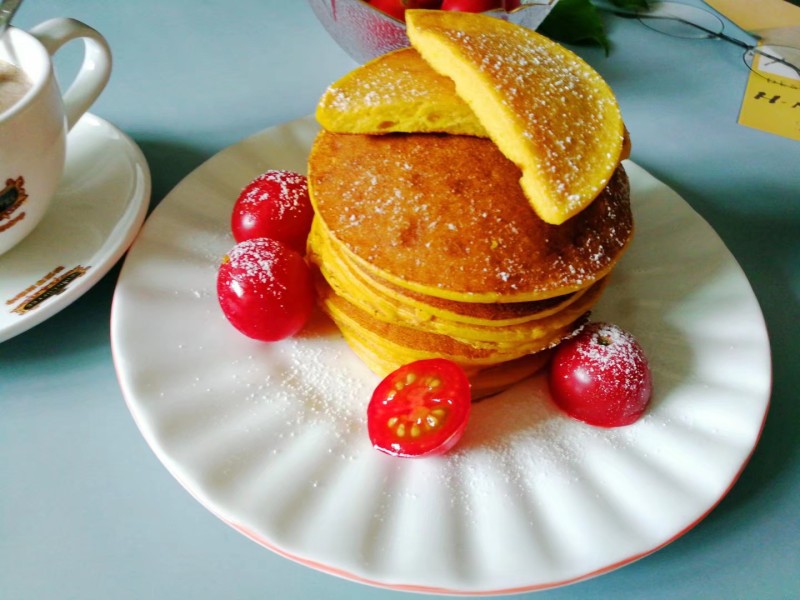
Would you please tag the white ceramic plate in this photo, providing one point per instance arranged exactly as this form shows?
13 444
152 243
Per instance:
271 437
99 206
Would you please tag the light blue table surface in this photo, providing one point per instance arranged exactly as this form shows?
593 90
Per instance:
88 512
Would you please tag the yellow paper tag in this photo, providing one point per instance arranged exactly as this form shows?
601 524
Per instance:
772 105
764 14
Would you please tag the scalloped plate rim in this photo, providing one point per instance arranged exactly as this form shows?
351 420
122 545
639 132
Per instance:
125 365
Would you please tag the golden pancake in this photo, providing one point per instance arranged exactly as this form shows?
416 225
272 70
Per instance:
390 346
396 92
444 216
484 382
433 240
487 377
488 333
493 380
546 109
390 302
404 340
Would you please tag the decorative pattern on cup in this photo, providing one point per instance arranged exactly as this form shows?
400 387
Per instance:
12 197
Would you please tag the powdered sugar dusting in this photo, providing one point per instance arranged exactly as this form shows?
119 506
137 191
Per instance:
286 190
255 260
614 352
563 107
307 385
518 442
386 86
469 217
332 395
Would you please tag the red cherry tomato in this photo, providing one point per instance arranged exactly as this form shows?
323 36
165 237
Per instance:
397 8
421 409
471 5
393 8
274 205
601 376
265 290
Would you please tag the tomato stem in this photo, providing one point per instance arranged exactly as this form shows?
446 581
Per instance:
604 340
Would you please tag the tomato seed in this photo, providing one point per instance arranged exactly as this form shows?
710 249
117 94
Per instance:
419 413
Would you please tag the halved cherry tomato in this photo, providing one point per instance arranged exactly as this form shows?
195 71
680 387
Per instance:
421 409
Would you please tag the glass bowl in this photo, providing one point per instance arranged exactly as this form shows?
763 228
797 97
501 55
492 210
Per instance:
364 32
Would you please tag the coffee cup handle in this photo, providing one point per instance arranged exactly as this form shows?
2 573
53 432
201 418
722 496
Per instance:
95 70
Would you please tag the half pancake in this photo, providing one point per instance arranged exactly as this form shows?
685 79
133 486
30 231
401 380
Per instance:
400 92
546 109
396 92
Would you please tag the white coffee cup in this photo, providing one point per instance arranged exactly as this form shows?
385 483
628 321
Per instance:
33 130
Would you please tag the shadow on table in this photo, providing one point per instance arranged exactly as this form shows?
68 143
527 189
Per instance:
169 164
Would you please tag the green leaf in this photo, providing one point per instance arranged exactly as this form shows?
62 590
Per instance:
631 4
576 22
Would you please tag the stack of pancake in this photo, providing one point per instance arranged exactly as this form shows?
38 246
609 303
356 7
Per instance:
469 201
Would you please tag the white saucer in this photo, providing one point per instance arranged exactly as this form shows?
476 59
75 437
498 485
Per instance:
98 209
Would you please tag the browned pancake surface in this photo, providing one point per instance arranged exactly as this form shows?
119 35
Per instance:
444 215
